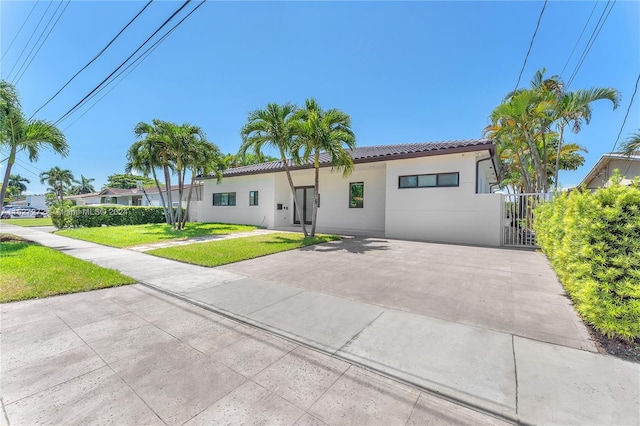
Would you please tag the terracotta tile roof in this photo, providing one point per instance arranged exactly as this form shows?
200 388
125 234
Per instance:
367 154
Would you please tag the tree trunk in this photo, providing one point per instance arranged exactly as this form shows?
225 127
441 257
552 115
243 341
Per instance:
167 180
7 175
555 175
178 220
535 154
164 207
186 213
293 192
316 193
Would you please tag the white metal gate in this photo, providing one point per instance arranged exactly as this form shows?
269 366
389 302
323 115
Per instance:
517 218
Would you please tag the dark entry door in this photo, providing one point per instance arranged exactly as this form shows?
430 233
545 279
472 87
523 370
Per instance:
304 194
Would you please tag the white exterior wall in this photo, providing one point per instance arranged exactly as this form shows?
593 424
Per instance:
446 214
38 201
334 214
242 212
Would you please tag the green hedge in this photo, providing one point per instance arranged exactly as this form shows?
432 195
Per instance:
593 242
66 216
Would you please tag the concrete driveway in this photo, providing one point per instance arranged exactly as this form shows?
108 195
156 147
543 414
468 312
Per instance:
511 291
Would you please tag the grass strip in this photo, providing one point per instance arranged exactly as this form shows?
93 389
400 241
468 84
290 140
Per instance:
45 221
29 271
133 235
222 252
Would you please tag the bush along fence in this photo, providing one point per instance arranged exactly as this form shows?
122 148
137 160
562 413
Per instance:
593 242
68 216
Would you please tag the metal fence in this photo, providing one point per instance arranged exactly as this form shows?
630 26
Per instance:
517 218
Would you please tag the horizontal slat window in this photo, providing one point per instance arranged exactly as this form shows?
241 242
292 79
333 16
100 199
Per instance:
429 180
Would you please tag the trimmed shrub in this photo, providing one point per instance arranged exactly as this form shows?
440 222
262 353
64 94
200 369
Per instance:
110 215
593 242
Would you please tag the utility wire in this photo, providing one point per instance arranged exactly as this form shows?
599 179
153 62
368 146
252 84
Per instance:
133 64
77 105
579 38
592 40
626 115
94 58
530 45
43 42
21 27
29 41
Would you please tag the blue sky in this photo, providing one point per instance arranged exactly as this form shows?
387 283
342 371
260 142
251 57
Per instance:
404 71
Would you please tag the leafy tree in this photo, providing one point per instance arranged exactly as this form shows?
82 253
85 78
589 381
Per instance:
17 182
127 181
59 181
632 144
273 126
18 134
83 186
323 131
530 121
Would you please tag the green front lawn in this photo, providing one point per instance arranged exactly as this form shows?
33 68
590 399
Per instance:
29 271
46 221
216 253
133 235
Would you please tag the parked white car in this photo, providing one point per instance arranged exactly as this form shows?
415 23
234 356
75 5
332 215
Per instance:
22 213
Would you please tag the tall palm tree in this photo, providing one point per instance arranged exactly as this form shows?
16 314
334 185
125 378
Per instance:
18 182
159 135
143 157
273 126
574 108
18 134
83 186
632 144
323 131
58 179
204 157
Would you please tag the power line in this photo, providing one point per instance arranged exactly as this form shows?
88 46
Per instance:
21 27
579 38
95 57
531 44
135 64
592 39
43 42
29 41
635 90
77 105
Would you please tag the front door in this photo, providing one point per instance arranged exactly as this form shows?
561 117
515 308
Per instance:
304 194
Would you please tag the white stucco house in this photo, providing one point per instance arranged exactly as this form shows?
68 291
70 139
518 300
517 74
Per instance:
422 191
134 196
601 172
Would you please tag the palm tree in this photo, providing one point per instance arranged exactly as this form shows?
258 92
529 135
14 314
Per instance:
83 186
159 135
632 144
18 182
273 126
58 179
574 108
203 158
143 157
18 134
323 131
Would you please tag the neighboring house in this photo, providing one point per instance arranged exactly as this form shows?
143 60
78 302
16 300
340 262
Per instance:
37 200
601 173
134 196
422 191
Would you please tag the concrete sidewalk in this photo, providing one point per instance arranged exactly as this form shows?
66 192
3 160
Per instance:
523 378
